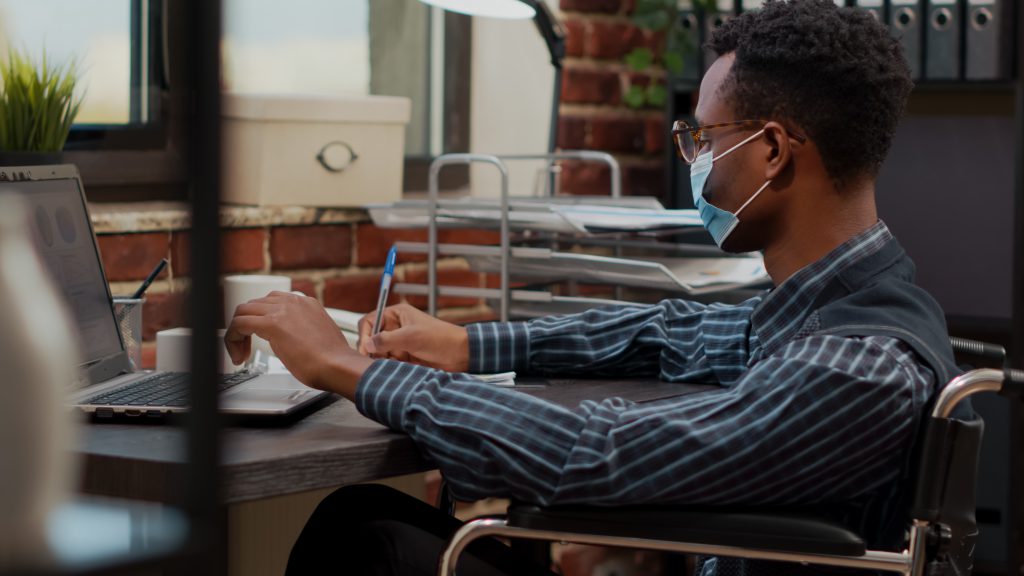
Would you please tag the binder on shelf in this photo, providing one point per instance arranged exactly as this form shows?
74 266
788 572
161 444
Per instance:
875 7
905 25
943 40
713 19
690 24
988 39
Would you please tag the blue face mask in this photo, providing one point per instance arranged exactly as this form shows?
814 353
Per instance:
720 223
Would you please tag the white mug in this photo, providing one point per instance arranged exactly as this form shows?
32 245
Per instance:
174 351
243 288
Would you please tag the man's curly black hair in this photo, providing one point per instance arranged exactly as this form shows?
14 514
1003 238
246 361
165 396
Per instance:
836 73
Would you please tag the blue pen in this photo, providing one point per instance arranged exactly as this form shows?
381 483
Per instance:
385 287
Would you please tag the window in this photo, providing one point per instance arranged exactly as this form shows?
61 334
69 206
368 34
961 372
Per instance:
108 41
129 139
123 141
96 35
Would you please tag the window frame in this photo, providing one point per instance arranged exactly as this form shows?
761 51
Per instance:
143 162
457 64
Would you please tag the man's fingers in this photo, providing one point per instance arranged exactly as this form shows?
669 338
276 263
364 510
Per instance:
365 331
277 297
239 350
391 343
390 320
237 338
401 356
254 308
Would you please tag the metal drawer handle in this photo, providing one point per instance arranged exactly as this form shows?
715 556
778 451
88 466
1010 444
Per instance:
336 164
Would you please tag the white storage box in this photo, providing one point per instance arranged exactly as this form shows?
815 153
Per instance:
313 151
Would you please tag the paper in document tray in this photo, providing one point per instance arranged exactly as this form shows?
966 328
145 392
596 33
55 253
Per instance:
523 215
687 275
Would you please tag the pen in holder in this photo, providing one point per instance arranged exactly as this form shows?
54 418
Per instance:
128 312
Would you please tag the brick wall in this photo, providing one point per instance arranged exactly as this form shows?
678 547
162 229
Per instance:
338 263
592 113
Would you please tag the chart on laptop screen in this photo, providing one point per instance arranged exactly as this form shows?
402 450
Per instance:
64 238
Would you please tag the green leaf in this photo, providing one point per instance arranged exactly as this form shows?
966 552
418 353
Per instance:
640 59
645 20
674 62
647 6
659 21
656 94
634 97
681 41
38 104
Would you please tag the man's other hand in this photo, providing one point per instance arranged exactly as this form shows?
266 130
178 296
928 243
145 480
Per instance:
411 335
302 336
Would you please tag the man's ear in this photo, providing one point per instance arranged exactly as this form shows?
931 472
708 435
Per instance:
780 150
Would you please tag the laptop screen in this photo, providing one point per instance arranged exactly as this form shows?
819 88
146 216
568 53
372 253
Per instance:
63 234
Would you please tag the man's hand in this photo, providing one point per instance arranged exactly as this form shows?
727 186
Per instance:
303 336
411 335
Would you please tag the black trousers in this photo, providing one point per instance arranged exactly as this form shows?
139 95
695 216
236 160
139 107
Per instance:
376 530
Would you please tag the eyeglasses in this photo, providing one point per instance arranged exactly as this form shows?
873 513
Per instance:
689 139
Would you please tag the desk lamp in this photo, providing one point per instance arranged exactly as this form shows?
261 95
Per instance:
548 26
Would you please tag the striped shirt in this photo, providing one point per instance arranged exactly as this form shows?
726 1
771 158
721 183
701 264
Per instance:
796 417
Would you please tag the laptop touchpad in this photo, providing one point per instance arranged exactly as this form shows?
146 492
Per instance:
257 399
276 381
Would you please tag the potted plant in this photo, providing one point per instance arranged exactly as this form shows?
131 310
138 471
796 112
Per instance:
674 42
38 104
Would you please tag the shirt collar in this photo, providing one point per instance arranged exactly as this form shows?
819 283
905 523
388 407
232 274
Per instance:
783 310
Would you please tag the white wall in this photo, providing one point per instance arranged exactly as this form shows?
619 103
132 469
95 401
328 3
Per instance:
510 110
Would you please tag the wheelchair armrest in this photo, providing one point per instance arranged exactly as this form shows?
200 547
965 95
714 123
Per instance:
765 530
1013 383
978 354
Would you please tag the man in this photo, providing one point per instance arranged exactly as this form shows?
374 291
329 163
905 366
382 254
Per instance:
820 381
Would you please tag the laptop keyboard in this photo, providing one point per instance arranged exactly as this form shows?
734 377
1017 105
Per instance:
162 389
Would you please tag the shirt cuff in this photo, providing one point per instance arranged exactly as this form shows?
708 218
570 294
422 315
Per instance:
498 347
386 388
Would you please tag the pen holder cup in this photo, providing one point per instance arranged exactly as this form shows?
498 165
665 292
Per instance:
128 312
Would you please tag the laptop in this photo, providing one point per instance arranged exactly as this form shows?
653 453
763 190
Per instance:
63 232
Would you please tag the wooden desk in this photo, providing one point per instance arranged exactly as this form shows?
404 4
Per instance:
330 447
274 477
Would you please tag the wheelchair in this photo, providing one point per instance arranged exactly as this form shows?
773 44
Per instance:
941 528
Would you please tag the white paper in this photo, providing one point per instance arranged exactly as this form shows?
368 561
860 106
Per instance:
629 219
687 275
575 218
500 379
344 319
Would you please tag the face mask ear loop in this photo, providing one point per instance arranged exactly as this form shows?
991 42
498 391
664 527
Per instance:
751 199
745 140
